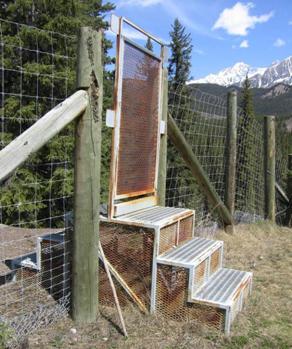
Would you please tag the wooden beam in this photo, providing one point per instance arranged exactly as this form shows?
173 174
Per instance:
230 181
198 172
87 180
270 168
162 170
31 140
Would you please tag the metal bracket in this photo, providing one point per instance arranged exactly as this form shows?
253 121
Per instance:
115 24
110 118
162 127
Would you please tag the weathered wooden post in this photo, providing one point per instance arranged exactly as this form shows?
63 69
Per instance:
289 192
270 168
162 171
87 179
230 181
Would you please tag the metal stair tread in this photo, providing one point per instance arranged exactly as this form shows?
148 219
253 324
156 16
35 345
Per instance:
190 253
156 216
221 287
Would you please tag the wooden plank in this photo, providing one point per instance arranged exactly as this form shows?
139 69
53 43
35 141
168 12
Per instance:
230 182
87 180
134 205
270 168
31 140
198 172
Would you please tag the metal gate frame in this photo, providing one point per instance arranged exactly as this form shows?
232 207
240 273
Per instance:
133 201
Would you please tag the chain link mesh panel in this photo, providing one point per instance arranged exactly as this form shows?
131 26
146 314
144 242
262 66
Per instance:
129 249
172 292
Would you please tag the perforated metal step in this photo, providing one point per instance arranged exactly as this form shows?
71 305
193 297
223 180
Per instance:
222 286
155 217
227 289
191 253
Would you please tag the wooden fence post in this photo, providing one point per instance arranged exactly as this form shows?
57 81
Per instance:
87 180
230 180
162 170
270 168
289 192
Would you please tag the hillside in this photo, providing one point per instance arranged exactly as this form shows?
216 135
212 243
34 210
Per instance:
276 100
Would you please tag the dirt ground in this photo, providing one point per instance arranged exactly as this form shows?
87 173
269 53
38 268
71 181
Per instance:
264 323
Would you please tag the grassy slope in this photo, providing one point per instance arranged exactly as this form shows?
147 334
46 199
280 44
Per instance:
264 323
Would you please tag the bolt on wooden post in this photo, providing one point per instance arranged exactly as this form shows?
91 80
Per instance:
87 179
270 168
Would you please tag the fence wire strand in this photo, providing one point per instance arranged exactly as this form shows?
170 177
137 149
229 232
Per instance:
202 118
37 72
37 69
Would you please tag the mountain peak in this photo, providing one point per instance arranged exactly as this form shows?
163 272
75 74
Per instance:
277 72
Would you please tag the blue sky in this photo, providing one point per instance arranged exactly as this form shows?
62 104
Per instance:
223 31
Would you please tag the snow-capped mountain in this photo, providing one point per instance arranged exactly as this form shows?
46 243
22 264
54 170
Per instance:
278 72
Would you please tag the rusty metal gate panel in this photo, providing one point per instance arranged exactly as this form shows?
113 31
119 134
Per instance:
136 168
136 136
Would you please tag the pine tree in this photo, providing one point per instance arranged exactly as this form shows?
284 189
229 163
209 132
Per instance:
21 200
179 72
180 59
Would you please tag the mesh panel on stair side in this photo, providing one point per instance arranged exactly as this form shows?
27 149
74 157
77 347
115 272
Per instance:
167 237
200 274
185 229
171 299
215 261
129 249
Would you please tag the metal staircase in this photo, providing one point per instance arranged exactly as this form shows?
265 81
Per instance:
208 283
152 249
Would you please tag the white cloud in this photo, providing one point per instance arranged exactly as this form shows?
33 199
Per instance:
279 42
143 3
244 44
290 22
237 19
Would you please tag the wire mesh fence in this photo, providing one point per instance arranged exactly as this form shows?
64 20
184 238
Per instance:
37 69
283 149
202 118
250 185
